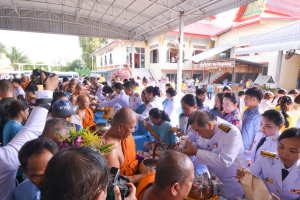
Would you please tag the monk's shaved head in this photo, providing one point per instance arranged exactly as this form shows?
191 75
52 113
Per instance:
123 115
6 86
172 166
79 86
81 98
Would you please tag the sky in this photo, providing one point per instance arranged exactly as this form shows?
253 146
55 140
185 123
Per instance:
50 48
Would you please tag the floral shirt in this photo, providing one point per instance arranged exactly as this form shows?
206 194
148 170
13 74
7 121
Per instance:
234 118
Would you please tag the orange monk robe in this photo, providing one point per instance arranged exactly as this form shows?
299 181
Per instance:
24 85
65 88
146 182
88 119
130 165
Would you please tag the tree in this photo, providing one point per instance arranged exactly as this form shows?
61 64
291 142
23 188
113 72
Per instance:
88 46
3 49
76 64
84 71
16 56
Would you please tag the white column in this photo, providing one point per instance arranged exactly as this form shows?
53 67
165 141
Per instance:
132 56
278 69
179 67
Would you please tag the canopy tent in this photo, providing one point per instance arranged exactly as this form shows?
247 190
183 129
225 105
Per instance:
118 19
283 38
264 80
211 52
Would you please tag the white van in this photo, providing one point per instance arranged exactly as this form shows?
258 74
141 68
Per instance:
70 75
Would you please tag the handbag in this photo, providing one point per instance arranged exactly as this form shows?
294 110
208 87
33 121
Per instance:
254 188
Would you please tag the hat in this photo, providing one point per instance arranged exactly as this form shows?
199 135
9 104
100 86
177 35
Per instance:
63 108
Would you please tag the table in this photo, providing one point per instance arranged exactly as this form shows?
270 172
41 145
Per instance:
98 117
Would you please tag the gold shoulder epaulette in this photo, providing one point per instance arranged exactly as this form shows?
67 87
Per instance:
224 128
268 154
136 94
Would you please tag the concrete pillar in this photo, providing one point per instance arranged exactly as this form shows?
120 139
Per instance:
179 66
278 69
132 56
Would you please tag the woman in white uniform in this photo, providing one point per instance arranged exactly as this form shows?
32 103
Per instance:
280 172
267 138
151 94
170 106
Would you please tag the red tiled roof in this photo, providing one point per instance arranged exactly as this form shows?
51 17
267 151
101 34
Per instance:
202 29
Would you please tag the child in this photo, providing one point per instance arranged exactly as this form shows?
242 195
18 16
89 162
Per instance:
251 116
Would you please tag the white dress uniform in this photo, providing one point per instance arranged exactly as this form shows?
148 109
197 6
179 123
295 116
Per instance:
135 100
295 111
270 145
171 108
219 153
154 103
270 170
119 99
99 93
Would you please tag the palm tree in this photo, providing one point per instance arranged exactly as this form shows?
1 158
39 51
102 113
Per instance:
3 48
16 56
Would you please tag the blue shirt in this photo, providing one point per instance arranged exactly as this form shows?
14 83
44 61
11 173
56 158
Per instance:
10 130
166 135
67 94
140 109
210 88
215 113
251 124
27 191
19 91
205 107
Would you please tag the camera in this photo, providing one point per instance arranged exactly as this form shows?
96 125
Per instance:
36 76
117 180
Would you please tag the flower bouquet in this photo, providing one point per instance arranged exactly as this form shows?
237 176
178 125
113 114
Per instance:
188 91
85 138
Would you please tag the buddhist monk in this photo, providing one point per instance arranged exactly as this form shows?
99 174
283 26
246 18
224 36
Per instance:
25 82
78 91
71 81
124 155
85 113
173 179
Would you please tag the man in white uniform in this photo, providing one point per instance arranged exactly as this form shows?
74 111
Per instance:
120 99
33 128
134 97
218 147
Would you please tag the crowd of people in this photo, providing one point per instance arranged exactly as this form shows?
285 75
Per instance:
258 128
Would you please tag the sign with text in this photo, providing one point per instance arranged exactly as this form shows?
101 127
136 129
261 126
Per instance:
216 64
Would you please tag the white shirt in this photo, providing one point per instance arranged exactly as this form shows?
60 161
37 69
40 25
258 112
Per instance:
265 104
219 153
171 109
154 103
9 161
120 99
275 101
99 93
271 168
135 100
270 145
242 104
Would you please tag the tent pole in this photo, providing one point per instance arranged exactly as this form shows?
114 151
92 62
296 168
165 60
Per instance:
179 67
278 69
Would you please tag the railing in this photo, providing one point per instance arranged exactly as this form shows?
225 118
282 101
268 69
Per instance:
152 73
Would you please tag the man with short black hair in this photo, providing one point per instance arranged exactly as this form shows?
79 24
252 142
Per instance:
34 157
171 181
218 146
30 96
294 93
18 89
6 94
70 89
251 116
134 97
120 100
55 125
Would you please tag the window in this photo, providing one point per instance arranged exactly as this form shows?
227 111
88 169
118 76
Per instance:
105 60
197 52
110 59
101 61
173 57
154 56
139 57
224 55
